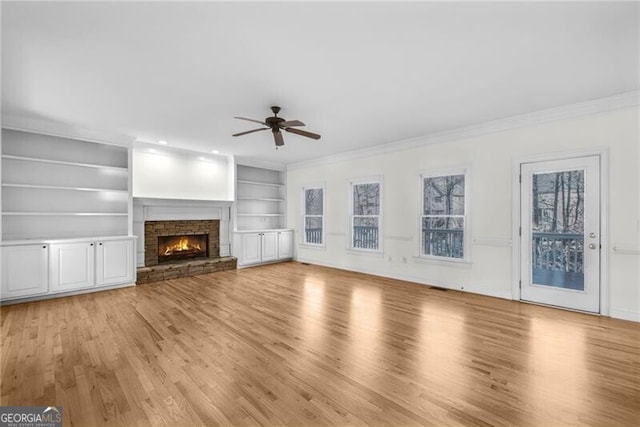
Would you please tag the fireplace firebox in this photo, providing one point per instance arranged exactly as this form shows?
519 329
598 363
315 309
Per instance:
181 247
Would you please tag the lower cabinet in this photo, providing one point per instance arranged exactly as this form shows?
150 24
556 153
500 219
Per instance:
72 266
25 271
263 246
51 268
115 262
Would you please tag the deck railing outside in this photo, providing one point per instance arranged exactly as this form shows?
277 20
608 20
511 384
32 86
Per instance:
444 243
313 235
365 237
558 252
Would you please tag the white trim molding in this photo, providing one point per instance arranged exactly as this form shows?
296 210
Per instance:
596 106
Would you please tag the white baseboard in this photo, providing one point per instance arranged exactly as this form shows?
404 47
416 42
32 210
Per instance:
411 278
619 313
66 294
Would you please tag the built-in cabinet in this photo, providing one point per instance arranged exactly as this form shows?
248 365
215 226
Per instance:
260 219
25 270
30 270
72 266
114 262
256 247
58 194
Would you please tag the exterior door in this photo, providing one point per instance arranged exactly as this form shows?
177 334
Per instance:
560 234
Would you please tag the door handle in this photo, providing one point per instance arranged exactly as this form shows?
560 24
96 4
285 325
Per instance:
592 235
592 245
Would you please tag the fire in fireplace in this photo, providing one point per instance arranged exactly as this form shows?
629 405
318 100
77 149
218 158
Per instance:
174 248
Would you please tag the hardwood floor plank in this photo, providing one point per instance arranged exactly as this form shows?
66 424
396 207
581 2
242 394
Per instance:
293 344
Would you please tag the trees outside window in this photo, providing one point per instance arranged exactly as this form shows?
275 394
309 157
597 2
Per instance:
443 216
366 215
313 216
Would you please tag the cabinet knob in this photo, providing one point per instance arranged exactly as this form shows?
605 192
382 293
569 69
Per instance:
100 243
44 246
91 244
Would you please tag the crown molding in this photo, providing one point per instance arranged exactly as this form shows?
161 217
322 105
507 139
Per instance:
565 112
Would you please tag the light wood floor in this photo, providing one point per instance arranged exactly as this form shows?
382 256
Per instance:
298 345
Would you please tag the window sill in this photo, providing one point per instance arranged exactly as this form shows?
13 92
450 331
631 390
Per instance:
376 254
461 263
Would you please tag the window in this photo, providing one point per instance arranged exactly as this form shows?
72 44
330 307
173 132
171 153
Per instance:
366 215
314 216
443 218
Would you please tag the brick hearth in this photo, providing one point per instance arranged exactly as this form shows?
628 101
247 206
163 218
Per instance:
185 269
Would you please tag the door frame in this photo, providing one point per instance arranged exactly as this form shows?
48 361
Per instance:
603 153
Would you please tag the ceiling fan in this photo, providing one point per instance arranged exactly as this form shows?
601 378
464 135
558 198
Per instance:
276 124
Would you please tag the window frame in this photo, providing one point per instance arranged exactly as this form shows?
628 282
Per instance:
466 242
304 215
369 180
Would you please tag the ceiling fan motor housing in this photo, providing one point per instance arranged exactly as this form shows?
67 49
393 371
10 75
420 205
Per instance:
272 122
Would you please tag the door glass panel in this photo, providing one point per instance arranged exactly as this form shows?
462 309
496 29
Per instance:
557 229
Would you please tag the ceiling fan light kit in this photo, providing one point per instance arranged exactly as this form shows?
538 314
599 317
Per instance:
276 124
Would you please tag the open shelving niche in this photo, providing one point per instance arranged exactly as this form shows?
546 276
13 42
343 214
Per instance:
54 187
260 200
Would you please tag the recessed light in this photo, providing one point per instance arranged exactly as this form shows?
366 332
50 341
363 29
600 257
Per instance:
151 150
215 151
162 142
201 158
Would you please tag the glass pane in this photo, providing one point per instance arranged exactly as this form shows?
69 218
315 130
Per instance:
366 199
444 195
365 232
557 229
313 201
443 236
313 230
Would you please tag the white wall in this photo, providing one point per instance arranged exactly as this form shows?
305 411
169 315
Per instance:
490 158
181 175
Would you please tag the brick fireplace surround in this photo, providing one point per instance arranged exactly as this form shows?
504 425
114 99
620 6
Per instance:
152 271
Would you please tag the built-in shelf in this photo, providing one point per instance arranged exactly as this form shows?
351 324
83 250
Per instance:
58 187
65 213
260 199
259 214
267 184
54 186
61 162
260 203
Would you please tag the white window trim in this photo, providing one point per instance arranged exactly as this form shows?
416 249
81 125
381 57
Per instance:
460 170
304 243
368 180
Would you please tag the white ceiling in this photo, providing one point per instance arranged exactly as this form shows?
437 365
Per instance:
361 74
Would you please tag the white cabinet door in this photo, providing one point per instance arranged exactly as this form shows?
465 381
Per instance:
72 266
269 246
251 248
114 262
25 271
285 244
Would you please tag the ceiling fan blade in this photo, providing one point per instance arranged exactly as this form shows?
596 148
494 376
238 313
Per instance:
278 137
249 131
303 133
289 123
251 120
